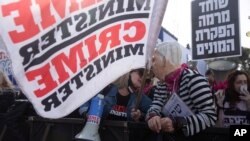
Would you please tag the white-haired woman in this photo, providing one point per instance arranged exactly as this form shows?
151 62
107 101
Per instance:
189 85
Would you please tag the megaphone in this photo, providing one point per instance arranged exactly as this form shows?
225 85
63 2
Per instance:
90 131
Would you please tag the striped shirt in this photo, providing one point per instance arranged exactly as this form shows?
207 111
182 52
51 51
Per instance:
195 92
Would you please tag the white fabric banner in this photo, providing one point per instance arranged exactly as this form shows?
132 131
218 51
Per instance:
64 52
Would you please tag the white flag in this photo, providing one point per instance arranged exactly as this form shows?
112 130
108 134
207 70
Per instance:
64 52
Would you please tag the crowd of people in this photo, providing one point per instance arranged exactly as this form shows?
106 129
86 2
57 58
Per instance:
210 104
12 113
233 102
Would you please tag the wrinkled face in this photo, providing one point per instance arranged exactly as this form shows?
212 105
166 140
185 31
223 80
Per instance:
157 64
136 79
240 80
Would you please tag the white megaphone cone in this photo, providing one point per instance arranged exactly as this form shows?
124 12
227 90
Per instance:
90 131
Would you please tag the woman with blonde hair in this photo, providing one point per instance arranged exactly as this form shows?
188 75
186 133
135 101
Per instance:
6 92
120 99
5 83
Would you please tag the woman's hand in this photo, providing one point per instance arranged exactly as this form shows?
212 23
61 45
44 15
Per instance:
167 125
220 97
135 114
154 123
245 96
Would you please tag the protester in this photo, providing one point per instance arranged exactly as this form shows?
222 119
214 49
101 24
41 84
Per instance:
135 80
211 80
120 99
5 83
148 88
215 86
12 120
6 92
192 88
233 103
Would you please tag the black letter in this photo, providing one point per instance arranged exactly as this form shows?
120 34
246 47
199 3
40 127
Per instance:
66 91
139 4
29 51
110 58
81 23
120 5
109 8
89 71
92 14
52 99
133 49
64 27
77 80
119 53
97 63
48 39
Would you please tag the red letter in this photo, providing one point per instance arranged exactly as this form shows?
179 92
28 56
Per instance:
47 18
60 61
86 3
60 6
90 42
25 19
109 35
73 6
139 28
45 80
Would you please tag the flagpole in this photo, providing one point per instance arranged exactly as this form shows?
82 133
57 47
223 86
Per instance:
140 93
155 27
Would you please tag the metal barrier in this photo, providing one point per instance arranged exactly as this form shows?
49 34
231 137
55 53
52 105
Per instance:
13 124
65 129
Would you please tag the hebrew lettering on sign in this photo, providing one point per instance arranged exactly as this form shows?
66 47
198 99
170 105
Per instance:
211 5
215 32
218 17
215 47
215 29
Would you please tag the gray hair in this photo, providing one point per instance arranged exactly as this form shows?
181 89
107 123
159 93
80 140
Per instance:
171 51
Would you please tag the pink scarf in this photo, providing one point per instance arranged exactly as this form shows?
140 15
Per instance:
172 80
